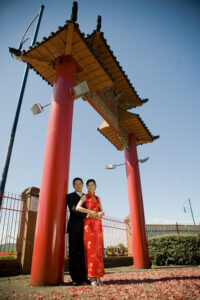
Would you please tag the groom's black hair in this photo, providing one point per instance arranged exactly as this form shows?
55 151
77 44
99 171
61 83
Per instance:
77 178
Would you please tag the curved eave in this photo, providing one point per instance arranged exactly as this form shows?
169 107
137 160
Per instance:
131 123
129 97
111 135
42 56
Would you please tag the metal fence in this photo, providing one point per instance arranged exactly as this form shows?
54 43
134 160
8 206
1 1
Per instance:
114 230
164 229
9 221
153 230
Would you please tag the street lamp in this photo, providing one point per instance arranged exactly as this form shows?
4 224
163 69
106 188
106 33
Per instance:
79 91
190 208
16 54
113 166
38 108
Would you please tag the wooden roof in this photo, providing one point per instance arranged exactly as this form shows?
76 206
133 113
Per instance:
128 96
98 67
68 40
131 123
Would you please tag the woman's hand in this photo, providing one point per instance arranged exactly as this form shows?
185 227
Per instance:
93 214
100 214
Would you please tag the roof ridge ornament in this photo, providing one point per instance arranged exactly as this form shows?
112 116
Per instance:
145 100
155 137
15 53
74 12
98 23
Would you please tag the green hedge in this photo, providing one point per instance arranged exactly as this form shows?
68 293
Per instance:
179 249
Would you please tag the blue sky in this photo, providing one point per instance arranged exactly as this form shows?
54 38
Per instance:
157 43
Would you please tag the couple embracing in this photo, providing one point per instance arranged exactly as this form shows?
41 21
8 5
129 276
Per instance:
85 234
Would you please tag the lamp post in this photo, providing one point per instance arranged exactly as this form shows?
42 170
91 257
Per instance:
190 208
137 219
15 53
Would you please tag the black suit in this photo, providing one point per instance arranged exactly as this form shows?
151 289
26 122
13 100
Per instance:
76 248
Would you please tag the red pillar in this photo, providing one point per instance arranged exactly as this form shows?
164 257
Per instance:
48 253
138 230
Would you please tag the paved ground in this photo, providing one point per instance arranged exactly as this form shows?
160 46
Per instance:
119 283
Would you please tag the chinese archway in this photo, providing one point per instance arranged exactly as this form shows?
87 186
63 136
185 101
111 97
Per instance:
64 59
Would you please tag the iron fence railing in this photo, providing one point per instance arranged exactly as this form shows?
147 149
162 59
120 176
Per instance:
115 231
164 229
9 220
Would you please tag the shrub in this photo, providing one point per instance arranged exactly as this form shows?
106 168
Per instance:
110 251
7 257
179 249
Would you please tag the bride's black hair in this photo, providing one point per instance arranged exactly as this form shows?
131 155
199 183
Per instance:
90 180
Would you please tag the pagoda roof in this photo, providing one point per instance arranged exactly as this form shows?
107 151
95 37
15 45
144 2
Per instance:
128 97
130 123
67 40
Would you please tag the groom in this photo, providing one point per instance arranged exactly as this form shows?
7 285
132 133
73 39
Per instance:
77 269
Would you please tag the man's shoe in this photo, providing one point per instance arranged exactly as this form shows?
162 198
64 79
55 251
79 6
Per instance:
86 282
75 283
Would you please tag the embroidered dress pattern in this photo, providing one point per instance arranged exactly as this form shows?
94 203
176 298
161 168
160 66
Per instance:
93 239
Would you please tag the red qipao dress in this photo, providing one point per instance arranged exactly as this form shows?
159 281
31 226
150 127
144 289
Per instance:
93 239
